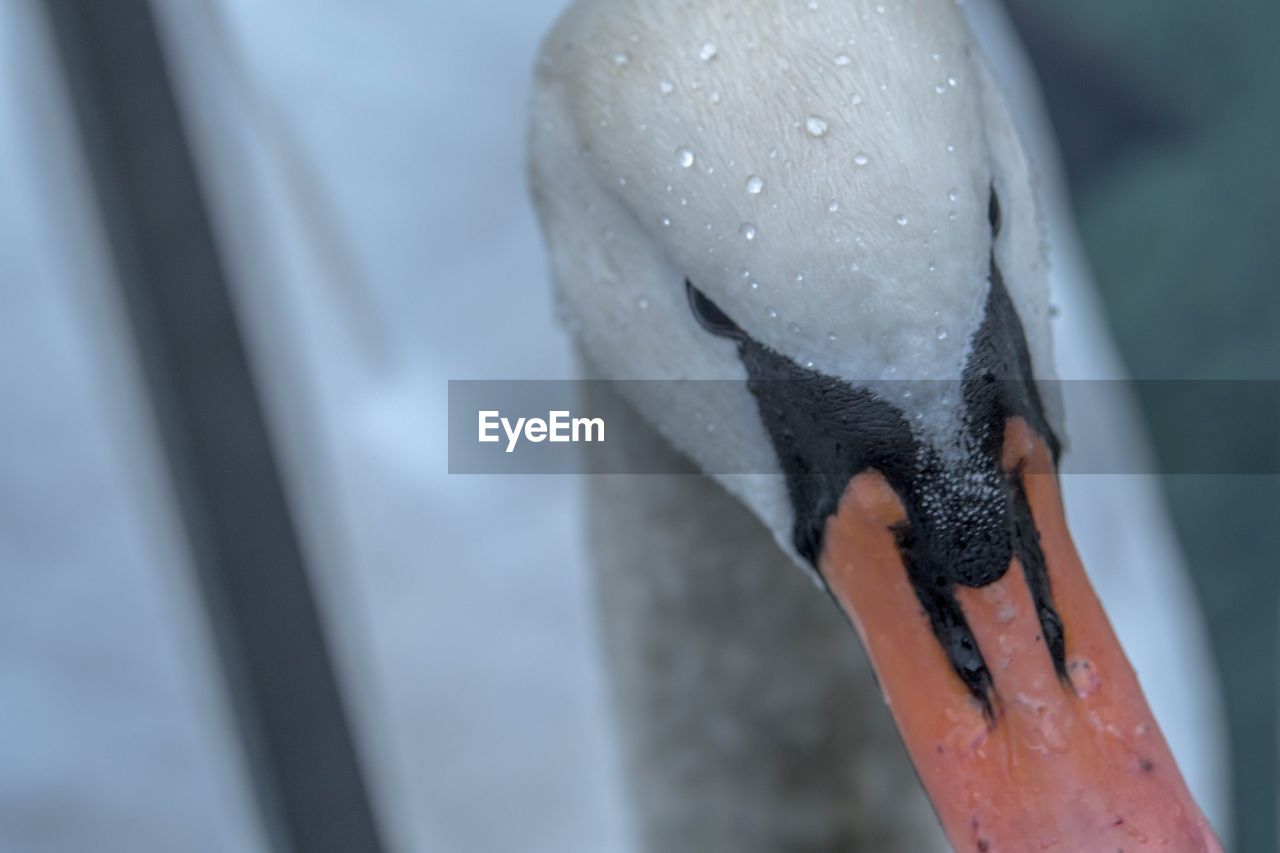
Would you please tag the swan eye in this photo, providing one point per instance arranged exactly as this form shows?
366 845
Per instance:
993 212
709 315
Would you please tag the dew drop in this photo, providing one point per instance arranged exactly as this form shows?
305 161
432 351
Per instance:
714 97
833 207
793 328
642 304
951 147
933 267
666 87
753 284
684 155
708 51
855 100
665 221
771 312
755 184
902 219
941 333
842 59
621 58
815 125
953 195
952 82
832 337
861 159
940 89
747 231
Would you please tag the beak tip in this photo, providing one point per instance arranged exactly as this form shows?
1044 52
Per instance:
1064 753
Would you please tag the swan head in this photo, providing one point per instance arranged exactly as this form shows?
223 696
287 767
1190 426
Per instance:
828 202
825 177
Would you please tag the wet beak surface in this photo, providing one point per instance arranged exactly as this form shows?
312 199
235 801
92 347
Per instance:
1074 764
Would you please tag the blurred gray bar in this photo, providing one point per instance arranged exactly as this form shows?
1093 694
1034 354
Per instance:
281 680
1197 426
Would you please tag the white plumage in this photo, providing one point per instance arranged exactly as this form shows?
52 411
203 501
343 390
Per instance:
821 170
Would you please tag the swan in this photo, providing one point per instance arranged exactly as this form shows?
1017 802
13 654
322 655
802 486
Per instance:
829 205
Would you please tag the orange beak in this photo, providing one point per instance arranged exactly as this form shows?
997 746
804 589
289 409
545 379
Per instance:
1049 763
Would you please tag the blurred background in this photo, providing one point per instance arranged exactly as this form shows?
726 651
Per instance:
361 166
